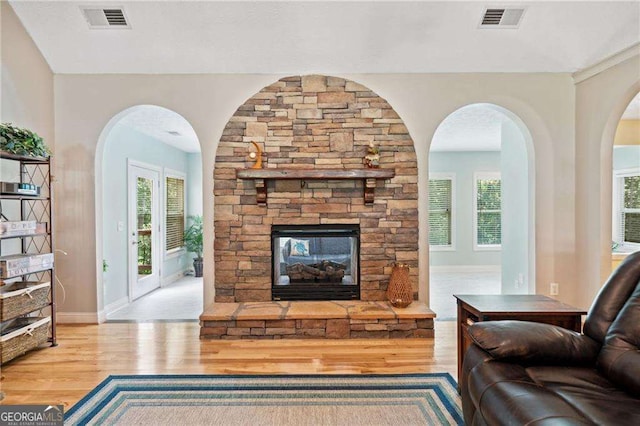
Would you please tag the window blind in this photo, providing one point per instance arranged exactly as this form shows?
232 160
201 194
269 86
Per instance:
631 209
175 213
440 212
489 212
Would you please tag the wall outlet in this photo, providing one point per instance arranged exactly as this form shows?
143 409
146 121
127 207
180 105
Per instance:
554 289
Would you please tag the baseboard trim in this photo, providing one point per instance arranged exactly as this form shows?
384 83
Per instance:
77 318
172 278
114 306
465 268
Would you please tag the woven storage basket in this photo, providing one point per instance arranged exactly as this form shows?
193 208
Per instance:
22 335
22 298
400 291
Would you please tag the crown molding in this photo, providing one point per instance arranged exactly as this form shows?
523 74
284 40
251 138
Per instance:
605 64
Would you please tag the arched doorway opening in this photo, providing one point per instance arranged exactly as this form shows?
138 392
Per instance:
481 232
149 182
625 201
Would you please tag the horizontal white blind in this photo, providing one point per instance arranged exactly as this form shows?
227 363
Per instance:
489 210
175 213
440 212
631 209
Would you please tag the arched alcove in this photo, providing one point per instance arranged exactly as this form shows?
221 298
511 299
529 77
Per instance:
162 142
625 166
320 123
481 152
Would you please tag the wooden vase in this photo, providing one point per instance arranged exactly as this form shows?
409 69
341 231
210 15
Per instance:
400 290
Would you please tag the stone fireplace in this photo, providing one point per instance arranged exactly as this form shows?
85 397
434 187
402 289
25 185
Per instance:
315 262
313 123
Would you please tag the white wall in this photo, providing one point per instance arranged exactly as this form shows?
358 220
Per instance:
194 190
26 99
601 98
26 79
515 210
463 165
85 104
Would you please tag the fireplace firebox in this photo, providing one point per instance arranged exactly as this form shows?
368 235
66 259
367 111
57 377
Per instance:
315 262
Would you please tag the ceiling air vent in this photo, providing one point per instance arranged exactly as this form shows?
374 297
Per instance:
105 17
501 18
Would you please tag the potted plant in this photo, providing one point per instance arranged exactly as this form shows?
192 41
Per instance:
22 142
193 242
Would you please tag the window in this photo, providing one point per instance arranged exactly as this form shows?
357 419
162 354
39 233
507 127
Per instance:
488 211
626 214
441 212
174 221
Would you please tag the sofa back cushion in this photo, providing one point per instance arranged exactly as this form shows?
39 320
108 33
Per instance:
612 297
619 358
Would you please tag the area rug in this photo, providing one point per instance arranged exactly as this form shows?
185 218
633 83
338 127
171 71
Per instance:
407 399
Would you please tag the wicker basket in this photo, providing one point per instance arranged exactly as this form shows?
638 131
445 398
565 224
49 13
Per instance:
400 291
22 335
23 297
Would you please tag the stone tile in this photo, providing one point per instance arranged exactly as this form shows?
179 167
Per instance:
341 142
415 310
309 113
262 310
314 83
337 329
219 311
279 331
315 310
371 310
256 129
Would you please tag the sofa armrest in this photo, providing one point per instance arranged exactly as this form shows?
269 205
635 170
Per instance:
534 343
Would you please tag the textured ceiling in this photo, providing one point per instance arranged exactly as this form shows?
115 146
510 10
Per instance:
471 128
157 122
332 37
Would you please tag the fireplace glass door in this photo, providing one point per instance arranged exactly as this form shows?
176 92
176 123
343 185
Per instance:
315 262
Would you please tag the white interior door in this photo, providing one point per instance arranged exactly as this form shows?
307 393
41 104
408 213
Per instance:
144 229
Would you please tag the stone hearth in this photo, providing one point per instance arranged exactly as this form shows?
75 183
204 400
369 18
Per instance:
308 124
315 320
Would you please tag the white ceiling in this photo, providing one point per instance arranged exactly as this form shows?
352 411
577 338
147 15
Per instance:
157 122
331 37
471 128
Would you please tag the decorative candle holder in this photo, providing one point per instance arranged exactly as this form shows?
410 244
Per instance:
256 156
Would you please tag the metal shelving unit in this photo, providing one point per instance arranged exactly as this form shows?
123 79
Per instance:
37 171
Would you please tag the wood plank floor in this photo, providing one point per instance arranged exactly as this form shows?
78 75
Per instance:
87 354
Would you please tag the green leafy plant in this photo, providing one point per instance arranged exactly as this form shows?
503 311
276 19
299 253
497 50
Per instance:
193 236
22 141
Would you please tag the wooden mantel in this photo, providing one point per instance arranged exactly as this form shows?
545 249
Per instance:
368 176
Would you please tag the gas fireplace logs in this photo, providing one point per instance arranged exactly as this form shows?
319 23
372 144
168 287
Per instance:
326 270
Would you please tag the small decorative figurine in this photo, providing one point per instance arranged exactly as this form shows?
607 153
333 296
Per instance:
372 159
256 156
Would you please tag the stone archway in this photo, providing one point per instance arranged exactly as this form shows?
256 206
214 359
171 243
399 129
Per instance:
313 122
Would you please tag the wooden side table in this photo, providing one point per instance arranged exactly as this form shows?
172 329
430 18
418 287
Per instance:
474 308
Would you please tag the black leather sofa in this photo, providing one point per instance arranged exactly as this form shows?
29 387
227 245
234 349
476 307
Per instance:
523 373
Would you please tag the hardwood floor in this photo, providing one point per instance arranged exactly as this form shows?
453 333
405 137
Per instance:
87 354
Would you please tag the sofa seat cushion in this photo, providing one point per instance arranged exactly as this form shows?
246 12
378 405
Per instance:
504 394
590 392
